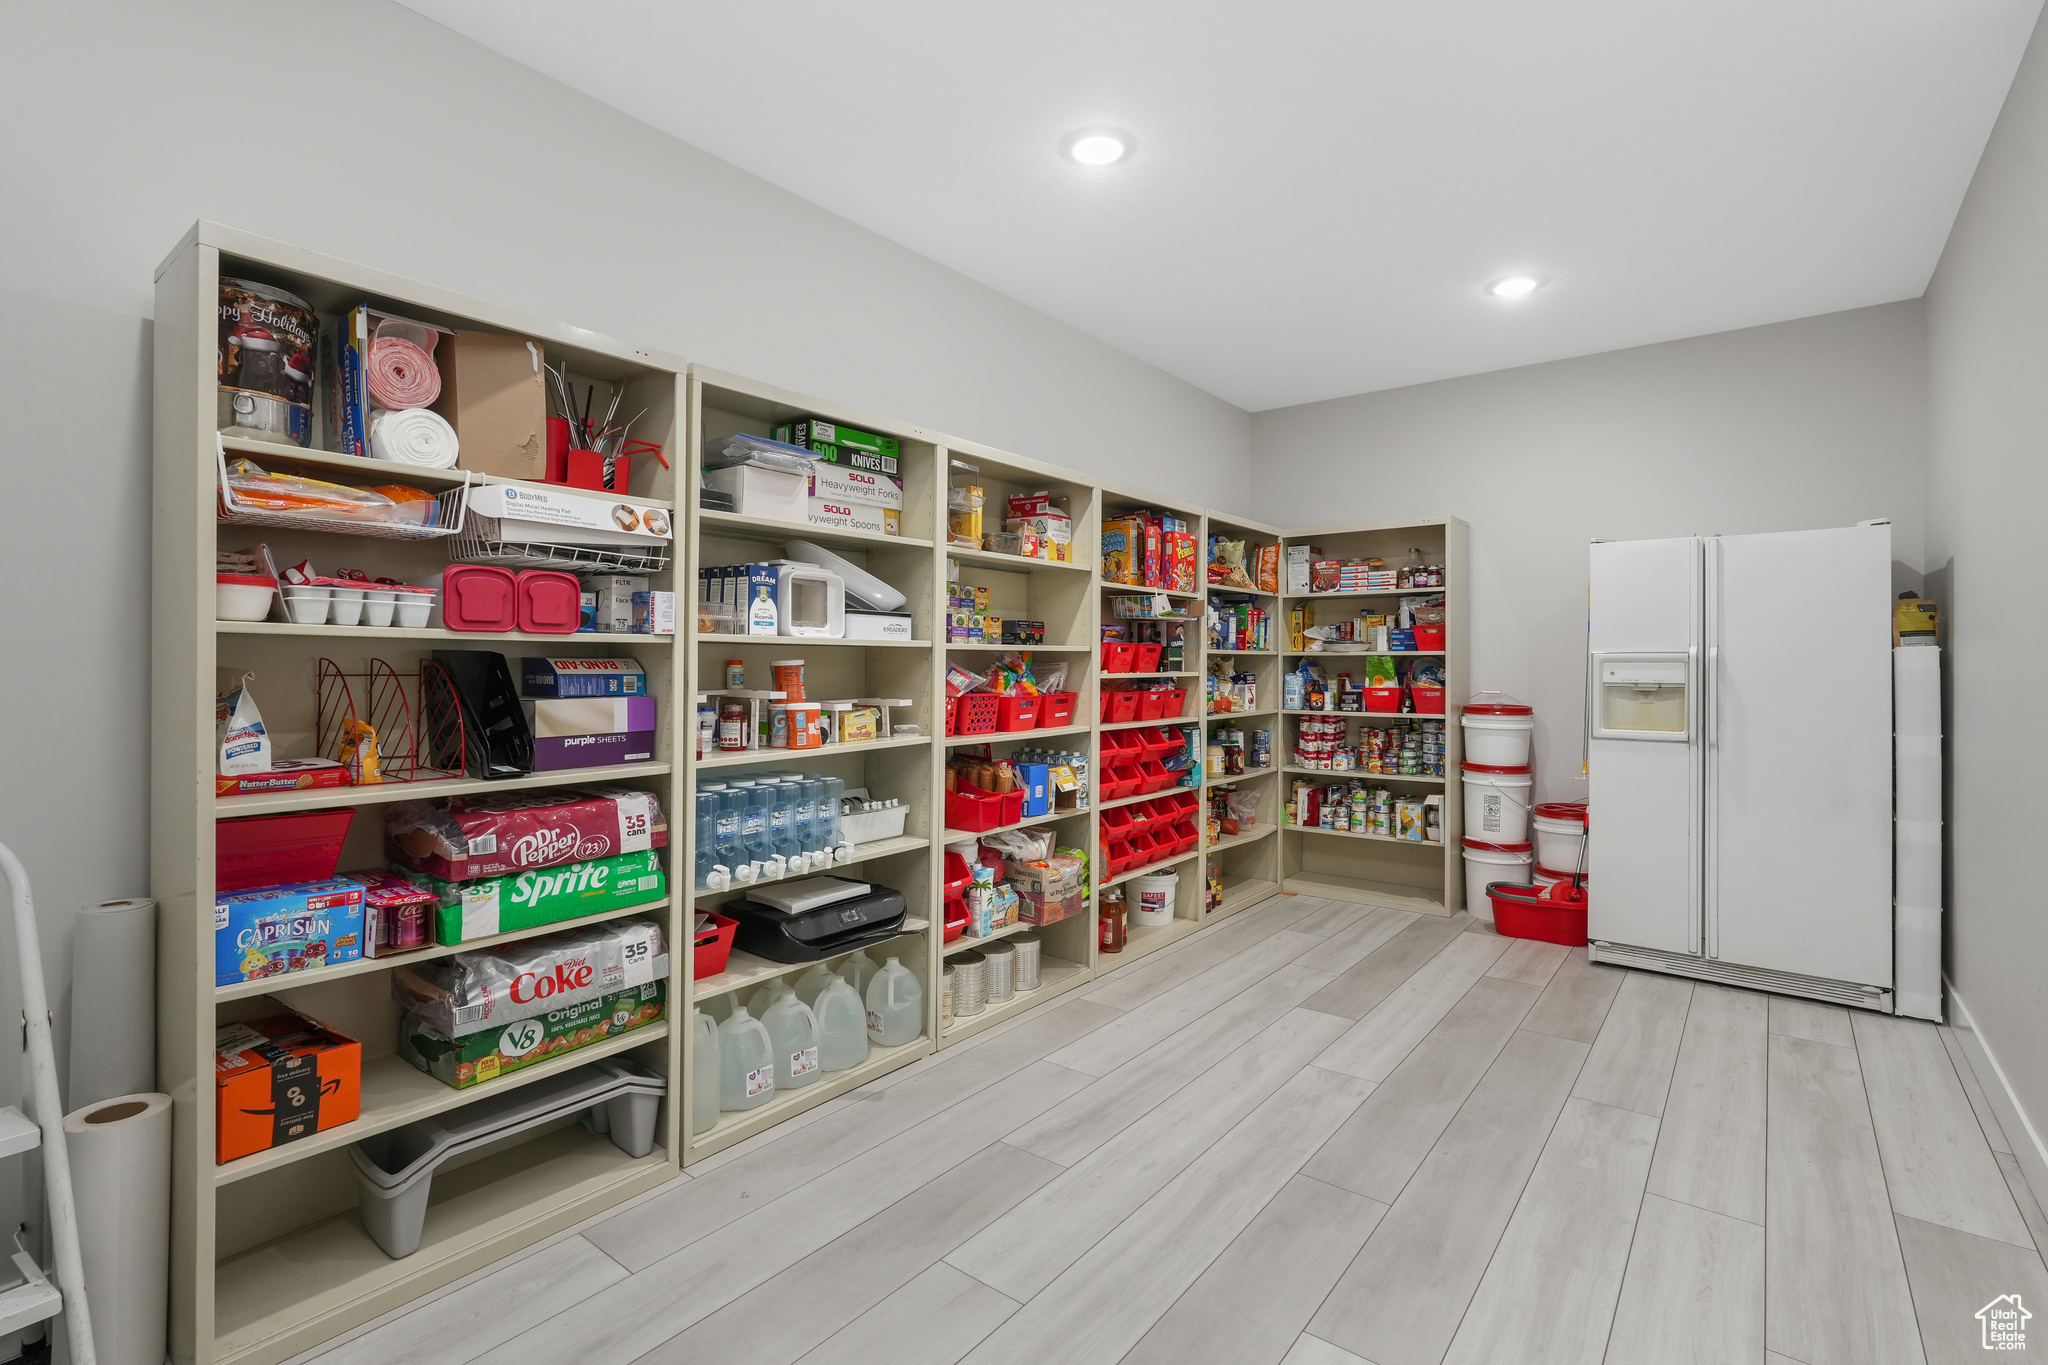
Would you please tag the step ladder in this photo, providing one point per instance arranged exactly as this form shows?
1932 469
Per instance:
38 1299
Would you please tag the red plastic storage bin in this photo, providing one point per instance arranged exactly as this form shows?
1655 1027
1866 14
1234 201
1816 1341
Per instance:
1017 713
1145 659
1152 777
1429 701
1429 637
714 946
1118 855
1115 745
1183 838
974 810
1107 699
1172 700
977 713
1057 708
548 602
1117 823
1123 707
1144 850
1119 782
1524 912
270 850
1149 705
481 597
1383 699
952 716
1116 656
1160 741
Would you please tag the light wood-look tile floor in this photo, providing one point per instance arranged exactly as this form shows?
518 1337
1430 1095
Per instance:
1318 1134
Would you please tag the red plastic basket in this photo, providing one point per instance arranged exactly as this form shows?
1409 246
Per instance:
1017 713
270 850
1160 741
1123 706
1429 637
1057 708
977 713
1429 701
1146 658
952 714
974 810
1117 823
1117 656
713 946
1523 912
1183 838
1119 782
1118 853
1152 777
1143 850
1172 700
1150 705
1383 699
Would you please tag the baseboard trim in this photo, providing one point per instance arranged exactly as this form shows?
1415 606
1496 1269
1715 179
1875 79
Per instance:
2018 1126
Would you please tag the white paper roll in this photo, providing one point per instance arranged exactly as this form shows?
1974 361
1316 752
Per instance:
415 436
120 1153
113 1001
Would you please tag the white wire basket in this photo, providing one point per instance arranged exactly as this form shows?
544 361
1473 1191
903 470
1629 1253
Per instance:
454 510
479 543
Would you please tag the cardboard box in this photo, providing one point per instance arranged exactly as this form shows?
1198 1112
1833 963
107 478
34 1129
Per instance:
478 1057
1041 911
1048 879
581 678
288 775
515 901
842 445
1123 551
654 613
493 394
837 483
1299 557
277 930
398 915
279 1079
854 516
1915 621
585 732
612 607
563 516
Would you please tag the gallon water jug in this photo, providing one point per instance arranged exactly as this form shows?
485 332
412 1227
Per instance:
842 1027
707 837
812 984
856 972
895 1006
767 996
793 1029
746 1062
704 1057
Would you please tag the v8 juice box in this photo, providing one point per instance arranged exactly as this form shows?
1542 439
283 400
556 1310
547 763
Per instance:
531 900
273 930
475 1058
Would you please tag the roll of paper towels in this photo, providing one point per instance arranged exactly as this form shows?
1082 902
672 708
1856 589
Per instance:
113 1001
120 1153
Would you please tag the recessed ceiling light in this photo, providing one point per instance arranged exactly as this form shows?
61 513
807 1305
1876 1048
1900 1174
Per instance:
1514 286
1098 146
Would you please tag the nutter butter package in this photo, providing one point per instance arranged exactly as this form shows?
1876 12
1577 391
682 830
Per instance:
466 837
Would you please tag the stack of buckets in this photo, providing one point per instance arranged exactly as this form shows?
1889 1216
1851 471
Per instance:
1501 818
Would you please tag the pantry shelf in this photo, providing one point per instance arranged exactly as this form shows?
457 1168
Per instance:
1112 677
1141 724
1431 844
290 981
1232 779
383 470
266 803
1363 654
1365 891
784 641
1258 653
1139 590
1229 841
969 646
1144 796
1429 779
999 736
765 528
1376 592
739 1125
995 559
745 757
1056 976
1381 717
744 969
395 1093
954 836
1248 592
963 943
1241 715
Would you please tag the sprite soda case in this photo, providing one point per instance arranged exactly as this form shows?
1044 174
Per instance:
534 899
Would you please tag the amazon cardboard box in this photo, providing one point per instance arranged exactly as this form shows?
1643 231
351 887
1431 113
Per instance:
279 1079
493 392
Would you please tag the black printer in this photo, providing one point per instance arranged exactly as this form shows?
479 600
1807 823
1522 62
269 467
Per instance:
814 917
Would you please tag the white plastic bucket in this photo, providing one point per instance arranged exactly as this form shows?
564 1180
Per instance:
1485 863
1557 841
1496 739
1497 804
1151 901
1548 876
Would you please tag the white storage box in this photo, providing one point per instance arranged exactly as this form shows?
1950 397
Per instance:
852 516
877 625
841 484
759 492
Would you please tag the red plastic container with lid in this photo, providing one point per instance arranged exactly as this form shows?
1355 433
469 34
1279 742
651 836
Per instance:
548 602
480 597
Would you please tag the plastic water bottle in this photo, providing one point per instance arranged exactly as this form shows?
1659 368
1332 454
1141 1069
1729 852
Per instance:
782 822
842 1027
704 1057
707 838
754 832
765 998
814 793
803 818
746 1062
812 984
732 807
857 971
895 1006
835 788
793 1029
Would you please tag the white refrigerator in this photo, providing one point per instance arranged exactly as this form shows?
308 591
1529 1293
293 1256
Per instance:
1740 761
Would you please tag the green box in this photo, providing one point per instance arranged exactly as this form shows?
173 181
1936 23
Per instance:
533 900
478 1057
836 444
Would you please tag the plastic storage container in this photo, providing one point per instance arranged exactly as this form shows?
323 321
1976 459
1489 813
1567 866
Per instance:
842 1027
895 1006
1486 863
271 850
1497 803
813 983
714 946
1497 730
793 1029
856 971
1560 834
242 596
704 1057
1521 912
480 597
1151 900
746 1062
548 602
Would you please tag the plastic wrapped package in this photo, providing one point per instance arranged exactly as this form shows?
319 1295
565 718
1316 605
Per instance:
492 987
257 490
742 449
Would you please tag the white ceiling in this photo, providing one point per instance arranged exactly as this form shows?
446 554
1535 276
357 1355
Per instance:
1321 187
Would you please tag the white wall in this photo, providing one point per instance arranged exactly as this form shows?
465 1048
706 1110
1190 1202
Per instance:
1818 422
360 129
1987 559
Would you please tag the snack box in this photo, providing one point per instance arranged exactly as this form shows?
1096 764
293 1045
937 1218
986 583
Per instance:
842 445
275 930
478 1057
531 900
279 1079
1053 878
581 678
290 775
464 837
1034 909
842 484
398 915
1123 551
841 515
